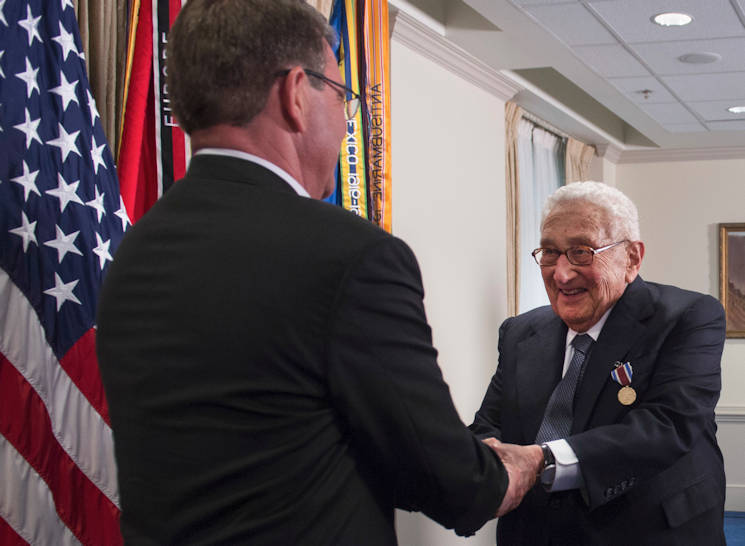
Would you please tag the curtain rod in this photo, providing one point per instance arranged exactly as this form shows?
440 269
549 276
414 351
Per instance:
544 125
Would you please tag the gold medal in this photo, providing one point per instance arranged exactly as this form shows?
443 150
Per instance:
626 396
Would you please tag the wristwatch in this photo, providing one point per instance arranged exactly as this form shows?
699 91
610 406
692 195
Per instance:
548 473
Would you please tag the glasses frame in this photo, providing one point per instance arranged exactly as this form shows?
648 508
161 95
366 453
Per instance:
351 106
566 253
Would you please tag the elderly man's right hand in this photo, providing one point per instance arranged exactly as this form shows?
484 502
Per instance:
523 464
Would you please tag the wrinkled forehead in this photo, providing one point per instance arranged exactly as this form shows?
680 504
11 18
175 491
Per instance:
578 222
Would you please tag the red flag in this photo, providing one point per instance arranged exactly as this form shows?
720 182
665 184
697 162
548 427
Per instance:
153 151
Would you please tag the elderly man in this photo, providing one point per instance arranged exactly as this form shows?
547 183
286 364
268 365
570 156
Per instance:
615 384
266 357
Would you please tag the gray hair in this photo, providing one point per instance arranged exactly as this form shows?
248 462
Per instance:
620 210
224 55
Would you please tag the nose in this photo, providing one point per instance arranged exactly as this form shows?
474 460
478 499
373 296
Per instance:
563 270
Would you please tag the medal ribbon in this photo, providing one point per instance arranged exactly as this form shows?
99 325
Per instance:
622 374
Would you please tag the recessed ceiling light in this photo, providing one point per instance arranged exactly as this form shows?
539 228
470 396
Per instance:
700 58
737 109
672 19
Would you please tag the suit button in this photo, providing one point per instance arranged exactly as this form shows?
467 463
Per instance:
554 503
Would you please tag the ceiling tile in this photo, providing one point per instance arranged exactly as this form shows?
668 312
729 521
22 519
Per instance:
706 87
684 127
611 61
662 58
726 125
716 110
620 45
631 19
669 112
631 87
571 23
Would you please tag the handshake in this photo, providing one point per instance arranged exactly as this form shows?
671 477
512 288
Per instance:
523 463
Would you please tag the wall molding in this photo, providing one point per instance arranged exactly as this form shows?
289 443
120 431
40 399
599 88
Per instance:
611 152
617 155
735 498
680 154
730 414
417 36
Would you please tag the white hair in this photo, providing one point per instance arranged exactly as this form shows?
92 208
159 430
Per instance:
621 211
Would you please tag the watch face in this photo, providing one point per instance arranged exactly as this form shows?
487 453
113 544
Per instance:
548 475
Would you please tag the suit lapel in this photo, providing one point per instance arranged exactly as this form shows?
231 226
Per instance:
618 335
540 359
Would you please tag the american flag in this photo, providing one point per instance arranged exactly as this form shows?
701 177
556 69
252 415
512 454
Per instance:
61 217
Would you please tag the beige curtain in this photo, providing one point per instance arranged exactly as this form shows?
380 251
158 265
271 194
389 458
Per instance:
579 156
103 35
324 6
512 115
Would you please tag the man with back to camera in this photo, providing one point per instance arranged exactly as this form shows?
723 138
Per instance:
626 425
266 357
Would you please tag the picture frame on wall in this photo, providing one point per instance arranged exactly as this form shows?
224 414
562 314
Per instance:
732 276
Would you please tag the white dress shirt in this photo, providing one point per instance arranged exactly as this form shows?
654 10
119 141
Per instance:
568 475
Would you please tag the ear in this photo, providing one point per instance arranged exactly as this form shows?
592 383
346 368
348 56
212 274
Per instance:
293 97
635 254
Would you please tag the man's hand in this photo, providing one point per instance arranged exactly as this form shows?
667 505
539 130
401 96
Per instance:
523 464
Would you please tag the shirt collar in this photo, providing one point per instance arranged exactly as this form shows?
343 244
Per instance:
594 331
284 175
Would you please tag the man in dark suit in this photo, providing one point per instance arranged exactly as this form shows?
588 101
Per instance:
624 417
266 357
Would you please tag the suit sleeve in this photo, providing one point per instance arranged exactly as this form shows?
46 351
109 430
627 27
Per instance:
384 379
487 421
675 411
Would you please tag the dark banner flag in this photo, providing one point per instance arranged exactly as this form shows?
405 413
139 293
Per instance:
61 218
364 179
153 151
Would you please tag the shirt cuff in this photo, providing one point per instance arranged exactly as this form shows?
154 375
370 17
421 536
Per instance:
568 475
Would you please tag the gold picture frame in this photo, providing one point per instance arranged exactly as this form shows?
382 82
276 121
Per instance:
732 276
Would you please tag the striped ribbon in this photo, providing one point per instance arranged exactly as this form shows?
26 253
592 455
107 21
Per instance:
364 182
622 374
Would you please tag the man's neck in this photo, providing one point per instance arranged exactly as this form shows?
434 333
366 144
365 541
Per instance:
284 175
270 146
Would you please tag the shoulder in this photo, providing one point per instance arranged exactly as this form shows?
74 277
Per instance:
669 310
529 322
345 234
673 301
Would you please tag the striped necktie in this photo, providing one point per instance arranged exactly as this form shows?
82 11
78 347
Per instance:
557 420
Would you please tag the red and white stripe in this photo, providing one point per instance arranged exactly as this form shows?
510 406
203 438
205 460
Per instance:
56 446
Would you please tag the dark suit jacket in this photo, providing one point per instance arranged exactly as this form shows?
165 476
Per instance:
653 472
271 377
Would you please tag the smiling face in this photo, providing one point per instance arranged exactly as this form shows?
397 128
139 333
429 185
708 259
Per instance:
580 295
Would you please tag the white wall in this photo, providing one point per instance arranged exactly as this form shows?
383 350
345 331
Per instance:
680 204
449 206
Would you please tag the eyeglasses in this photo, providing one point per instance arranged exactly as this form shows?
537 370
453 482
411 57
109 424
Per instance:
351 105
577 255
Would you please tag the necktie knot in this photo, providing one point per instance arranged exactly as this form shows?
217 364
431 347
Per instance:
582 343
